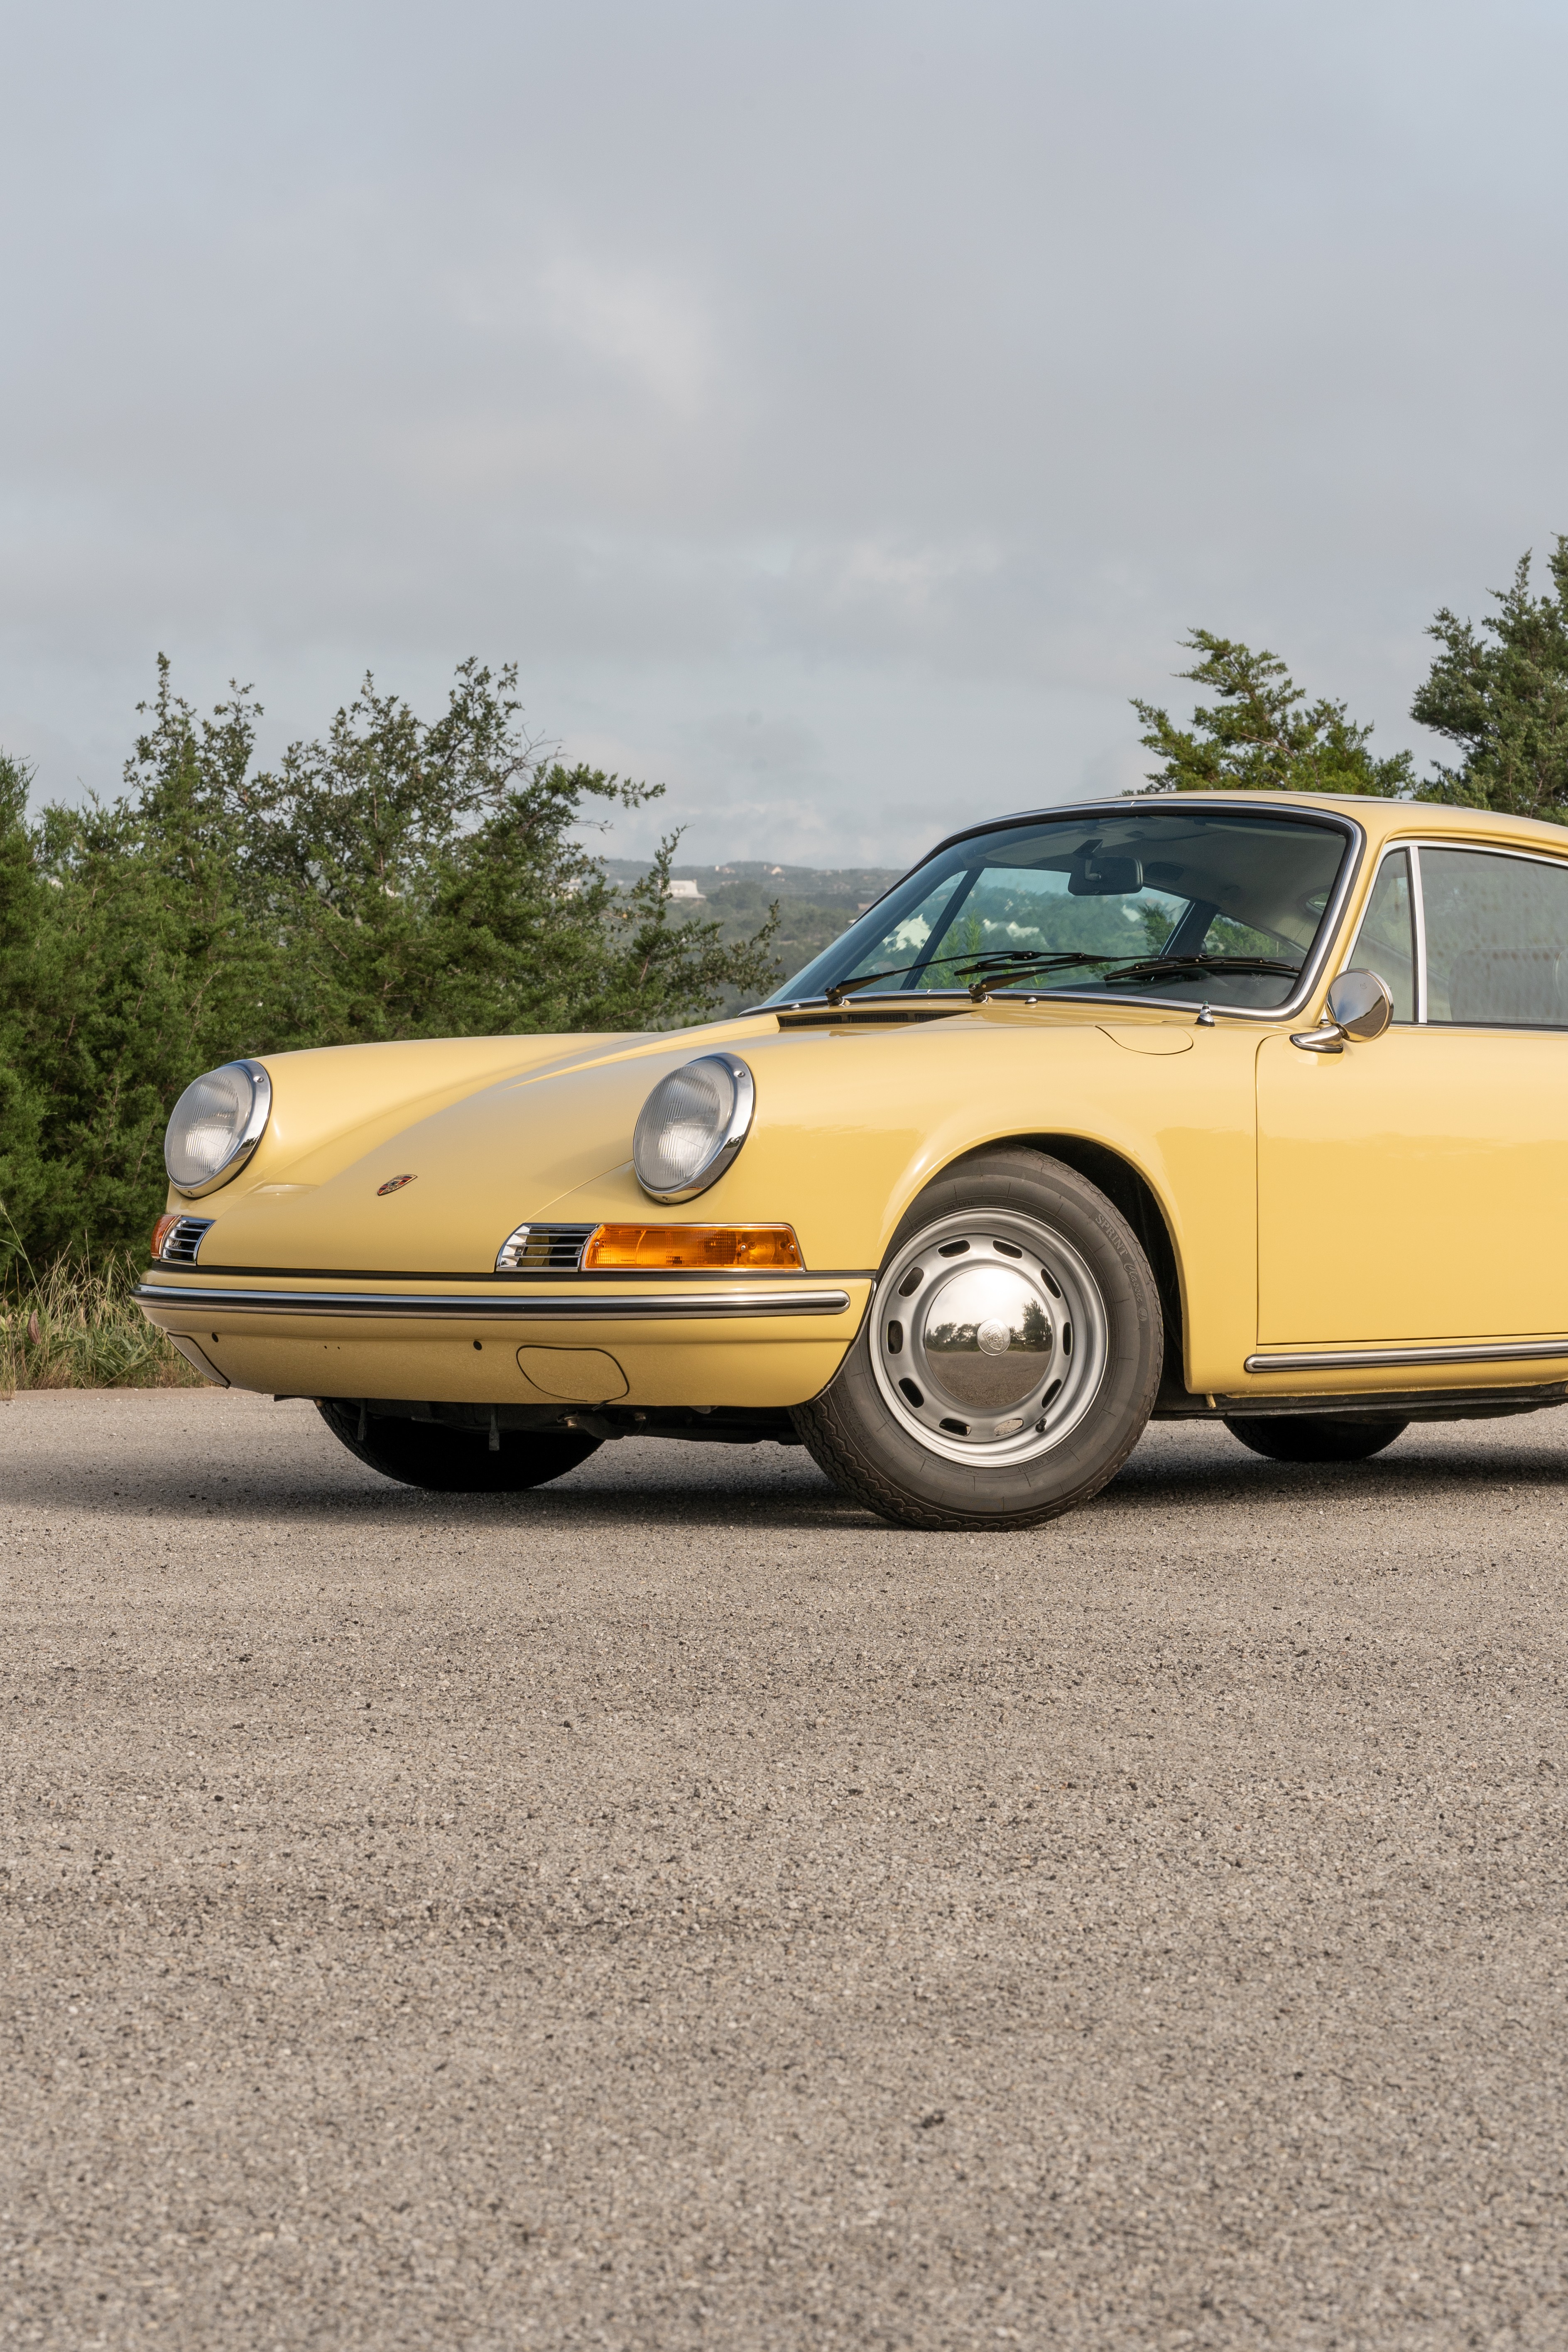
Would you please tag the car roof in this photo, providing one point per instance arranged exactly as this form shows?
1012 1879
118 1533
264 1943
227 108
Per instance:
1378 818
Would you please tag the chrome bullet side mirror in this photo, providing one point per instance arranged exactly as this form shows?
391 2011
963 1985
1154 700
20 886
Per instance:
1359 1009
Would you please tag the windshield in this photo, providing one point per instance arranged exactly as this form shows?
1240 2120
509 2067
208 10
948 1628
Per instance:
1205 906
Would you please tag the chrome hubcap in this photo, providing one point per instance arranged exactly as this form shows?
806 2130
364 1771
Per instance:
989 1340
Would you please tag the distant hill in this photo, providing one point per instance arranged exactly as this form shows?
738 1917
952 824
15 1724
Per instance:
816 903
831 885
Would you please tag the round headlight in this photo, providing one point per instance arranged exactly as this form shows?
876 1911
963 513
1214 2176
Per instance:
691 1127
216 1125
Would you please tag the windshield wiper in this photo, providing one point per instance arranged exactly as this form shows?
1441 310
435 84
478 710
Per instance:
1132 969
1005 962
963 962
1019 960
1146 967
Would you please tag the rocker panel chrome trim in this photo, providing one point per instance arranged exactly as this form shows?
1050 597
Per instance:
1352 1360
602 1308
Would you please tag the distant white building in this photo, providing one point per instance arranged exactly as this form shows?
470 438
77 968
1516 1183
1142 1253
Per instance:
683 891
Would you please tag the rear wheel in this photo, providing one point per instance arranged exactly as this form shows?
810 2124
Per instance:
1009 1357
1316 1436
454 1461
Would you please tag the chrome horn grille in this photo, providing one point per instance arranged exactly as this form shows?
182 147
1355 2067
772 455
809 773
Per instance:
183 1241
543 1249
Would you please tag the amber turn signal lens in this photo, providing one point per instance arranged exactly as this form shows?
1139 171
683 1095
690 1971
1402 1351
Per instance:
696 1247
161 1232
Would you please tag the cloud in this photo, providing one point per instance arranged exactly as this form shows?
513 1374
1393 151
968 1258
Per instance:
910 376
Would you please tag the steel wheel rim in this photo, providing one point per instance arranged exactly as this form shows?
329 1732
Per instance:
989 1337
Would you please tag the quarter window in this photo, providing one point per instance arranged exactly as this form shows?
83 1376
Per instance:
1497 940
1386 941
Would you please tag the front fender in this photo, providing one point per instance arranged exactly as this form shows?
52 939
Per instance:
851 1124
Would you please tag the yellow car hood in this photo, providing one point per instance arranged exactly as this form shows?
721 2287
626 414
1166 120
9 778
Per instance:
482 1154
850 1121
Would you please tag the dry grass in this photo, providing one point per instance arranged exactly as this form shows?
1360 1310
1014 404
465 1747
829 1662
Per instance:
75 1327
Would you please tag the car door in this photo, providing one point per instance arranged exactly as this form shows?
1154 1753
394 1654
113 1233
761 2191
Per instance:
1413 1187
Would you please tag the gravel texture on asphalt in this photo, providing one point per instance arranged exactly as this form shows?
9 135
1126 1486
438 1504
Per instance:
671 1908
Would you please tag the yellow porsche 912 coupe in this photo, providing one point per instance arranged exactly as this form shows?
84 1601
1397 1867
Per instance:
1251 1107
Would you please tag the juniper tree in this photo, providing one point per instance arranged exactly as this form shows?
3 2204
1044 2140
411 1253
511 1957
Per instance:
1262 734
1499 691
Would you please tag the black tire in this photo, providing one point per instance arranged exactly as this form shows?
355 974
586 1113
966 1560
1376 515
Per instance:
1007 1470
455 1461
1315 1436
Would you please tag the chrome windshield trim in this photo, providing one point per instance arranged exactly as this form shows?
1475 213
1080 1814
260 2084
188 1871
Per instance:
601 1307
1307 979
1130 803
1350 1359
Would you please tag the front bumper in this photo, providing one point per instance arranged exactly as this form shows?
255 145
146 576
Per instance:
757 1341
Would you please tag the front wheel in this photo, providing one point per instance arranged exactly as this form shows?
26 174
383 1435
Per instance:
1316 1436
1009 1357
454 1461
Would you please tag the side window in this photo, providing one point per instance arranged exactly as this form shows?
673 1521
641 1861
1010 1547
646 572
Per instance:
1497 940
1385 942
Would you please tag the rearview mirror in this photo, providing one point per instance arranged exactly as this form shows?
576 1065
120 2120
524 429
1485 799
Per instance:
1105 877
1359 1009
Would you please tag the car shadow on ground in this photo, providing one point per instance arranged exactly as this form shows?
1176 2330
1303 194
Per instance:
310 1493
712 1488
1427 1469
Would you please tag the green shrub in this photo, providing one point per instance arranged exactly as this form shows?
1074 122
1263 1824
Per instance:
397 879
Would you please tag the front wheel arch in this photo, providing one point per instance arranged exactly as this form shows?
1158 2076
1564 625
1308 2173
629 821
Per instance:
1130 1193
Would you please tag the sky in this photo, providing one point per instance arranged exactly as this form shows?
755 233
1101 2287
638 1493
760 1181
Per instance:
838 412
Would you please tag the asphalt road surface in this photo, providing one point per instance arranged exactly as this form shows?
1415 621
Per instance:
674 1909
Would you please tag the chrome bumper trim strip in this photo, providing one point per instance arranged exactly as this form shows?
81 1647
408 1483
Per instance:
601 1307
1354 1359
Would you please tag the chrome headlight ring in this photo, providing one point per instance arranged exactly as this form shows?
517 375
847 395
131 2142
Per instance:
216 1126
691 1127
